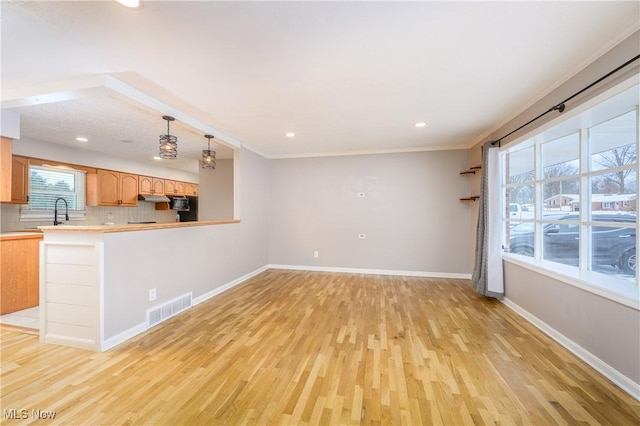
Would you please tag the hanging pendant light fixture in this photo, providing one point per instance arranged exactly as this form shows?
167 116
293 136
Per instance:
168 142
208 156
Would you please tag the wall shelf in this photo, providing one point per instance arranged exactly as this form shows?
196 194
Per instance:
471 170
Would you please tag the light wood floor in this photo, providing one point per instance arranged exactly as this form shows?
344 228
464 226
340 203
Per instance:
320 348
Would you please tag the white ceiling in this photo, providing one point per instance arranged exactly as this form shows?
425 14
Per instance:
346 77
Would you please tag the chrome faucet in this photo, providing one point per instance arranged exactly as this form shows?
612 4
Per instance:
55 211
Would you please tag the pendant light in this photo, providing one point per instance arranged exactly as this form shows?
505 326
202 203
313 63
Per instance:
208 156
168 142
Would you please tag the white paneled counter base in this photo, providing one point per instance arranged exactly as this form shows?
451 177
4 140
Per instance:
96 282
71 286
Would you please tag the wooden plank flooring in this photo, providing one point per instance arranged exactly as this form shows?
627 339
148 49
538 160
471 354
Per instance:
290 347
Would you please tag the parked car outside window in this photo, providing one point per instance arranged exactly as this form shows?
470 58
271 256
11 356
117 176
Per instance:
611 246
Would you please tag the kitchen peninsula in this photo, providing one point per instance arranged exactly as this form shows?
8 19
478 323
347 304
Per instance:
101 285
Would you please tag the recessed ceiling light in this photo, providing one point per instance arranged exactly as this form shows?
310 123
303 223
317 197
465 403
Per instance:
290 134
420 124
81 139
129 3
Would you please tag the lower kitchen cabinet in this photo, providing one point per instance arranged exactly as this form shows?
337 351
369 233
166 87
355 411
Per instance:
19 277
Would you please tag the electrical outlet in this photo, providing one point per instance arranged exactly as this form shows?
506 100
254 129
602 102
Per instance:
152 295
316 254
362 236
110 216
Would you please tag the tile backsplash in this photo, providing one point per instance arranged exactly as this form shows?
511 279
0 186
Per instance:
145 212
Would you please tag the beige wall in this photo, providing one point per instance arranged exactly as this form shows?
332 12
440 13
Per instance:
179 260
601 326
411 213
608 330
216 192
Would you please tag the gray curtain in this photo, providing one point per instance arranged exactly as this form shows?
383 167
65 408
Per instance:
487 278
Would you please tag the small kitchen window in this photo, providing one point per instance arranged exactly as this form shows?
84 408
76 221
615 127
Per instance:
46 185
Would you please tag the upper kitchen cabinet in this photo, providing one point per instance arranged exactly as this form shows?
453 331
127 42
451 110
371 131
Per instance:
19 180
150 185
191 189
109 188
5 169
172 187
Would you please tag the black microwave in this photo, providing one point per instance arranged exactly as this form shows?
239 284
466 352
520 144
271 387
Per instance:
180 203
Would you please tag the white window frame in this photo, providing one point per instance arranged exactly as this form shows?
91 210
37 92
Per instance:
623 291
27 214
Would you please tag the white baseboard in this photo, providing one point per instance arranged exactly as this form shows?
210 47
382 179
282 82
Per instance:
72 342
372 271
123 337
622 381
227 286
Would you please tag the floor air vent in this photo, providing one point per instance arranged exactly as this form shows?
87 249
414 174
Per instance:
160 313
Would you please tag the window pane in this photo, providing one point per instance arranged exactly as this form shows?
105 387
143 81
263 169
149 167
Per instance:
519 165
561 196
614 192
46 201
613 143
614 251
47 184
561 240
52 180
521 238
520 202
560 156
586 162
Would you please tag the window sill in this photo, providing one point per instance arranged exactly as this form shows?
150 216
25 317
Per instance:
618 290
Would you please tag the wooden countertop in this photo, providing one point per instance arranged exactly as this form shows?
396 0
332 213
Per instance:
6 236
133 227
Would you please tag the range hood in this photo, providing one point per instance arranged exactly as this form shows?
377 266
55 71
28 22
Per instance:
153 198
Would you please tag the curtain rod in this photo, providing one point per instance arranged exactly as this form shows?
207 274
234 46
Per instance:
560 106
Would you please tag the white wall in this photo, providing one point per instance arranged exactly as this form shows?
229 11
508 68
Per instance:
411 213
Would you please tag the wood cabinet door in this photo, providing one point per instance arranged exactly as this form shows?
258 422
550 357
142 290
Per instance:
5 169
19 180
128 190
19 282
170 187
158 186
145 185
108 188
180 187
191 189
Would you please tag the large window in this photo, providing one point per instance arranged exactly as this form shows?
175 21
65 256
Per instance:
48 184
570 192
